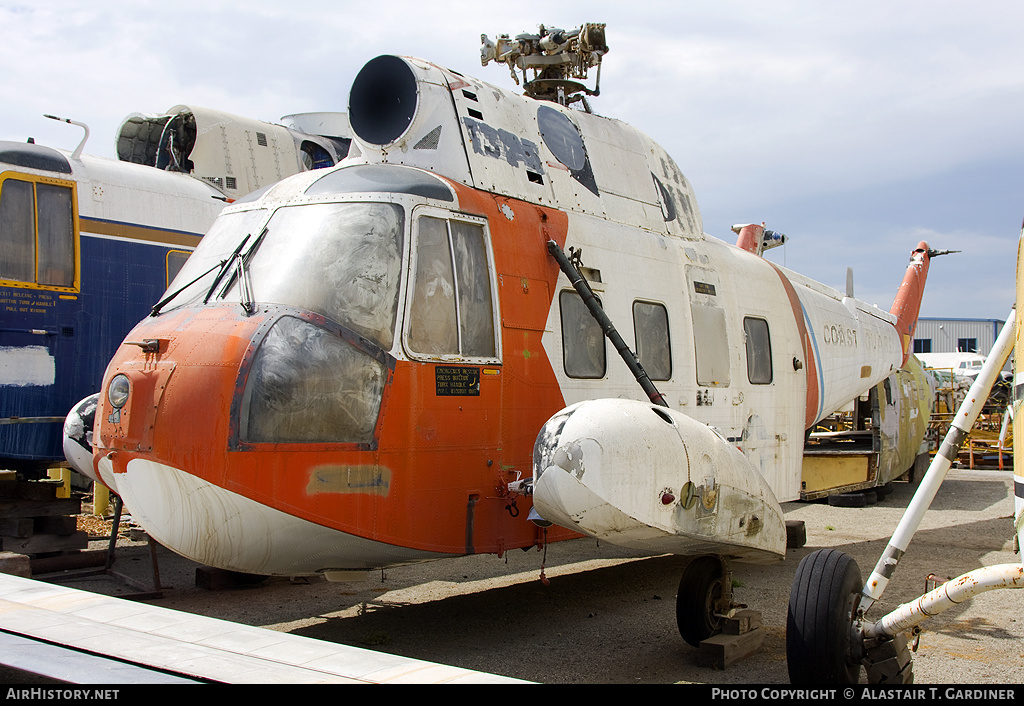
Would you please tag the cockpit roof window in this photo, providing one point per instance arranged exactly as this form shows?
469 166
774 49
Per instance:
34 156
365 178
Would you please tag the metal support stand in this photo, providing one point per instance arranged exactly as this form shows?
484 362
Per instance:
144 592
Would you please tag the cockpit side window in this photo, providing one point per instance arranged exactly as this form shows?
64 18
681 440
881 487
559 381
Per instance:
18 228
38 230
476 315
432 324
55 236
650 327
451 306
583 352
175 260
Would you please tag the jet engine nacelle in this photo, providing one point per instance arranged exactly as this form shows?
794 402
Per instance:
646 477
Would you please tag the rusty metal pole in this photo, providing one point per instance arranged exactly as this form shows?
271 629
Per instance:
949 594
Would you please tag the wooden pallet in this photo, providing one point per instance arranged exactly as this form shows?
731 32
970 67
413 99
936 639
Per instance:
34 521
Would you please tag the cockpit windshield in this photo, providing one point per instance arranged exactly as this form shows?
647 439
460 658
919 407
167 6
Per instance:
341 260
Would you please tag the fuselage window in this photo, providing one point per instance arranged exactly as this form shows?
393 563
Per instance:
175 261
711 345
583 354
451 310
37 229
759 351
650 325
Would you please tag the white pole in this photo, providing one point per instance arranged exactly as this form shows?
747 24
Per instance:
946 596
965 417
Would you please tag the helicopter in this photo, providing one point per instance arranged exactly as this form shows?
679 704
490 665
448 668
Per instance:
406 357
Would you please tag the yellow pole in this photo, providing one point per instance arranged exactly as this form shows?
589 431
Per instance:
1018 398
100 499
64 476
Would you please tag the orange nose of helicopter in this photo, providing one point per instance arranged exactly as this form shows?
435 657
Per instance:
241 403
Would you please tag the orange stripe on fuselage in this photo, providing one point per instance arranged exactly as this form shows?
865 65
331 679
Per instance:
440 463
810 365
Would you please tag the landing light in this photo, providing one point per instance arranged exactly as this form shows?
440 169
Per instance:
117 392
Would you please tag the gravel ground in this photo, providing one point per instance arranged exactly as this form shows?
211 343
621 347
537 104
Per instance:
607 616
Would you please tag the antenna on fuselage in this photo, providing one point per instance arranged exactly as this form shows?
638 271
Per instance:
81 145
559 61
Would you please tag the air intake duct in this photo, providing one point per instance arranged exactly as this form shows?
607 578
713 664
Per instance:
383 100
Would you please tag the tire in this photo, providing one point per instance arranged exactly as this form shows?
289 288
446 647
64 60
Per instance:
819 626
699 589
847 500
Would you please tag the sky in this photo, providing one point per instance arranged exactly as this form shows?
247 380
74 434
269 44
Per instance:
857 129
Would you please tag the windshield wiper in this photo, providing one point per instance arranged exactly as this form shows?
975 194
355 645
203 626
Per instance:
241 273
241 269
224 268
160 304
245 286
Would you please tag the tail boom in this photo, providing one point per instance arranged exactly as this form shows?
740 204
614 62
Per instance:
907 304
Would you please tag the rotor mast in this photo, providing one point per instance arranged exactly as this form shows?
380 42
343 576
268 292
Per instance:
557 60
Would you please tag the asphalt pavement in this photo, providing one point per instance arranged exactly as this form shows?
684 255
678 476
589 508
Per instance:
583 612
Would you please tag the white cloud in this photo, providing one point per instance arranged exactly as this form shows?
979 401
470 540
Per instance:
881 111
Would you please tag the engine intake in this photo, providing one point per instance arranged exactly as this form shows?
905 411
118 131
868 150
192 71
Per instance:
383 100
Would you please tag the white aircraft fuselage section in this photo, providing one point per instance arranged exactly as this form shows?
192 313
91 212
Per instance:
634 217
504 143
134 195
360 389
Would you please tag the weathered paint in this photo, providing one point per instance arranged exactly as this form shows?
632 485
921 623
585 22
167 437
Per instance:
349 479
908 299
823 472
965 417
904 406
133 225
586 470
949 595
26 366
447 451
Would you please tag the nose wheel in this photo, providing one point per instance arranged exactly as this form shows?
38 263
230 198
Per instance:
704 597
823 643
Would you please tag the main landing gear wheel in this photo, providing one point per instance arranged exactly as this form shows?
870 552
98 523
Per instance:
697 603
823 644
